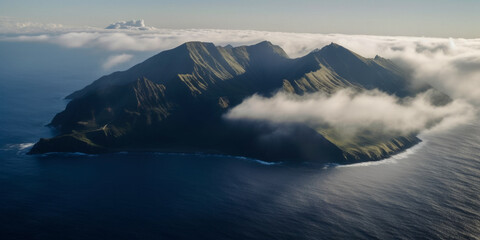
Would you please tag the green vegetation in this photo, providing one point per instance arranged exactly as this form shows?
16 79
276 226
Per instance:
368 145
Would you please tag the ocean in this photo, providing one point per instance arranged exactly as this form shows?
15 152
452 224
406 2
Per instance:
431 191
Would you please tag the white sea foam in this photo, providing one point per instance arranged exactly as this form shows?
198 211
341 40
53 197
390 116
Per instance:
221 156
68 154
23 146
371 163
17 147
264 163
330 165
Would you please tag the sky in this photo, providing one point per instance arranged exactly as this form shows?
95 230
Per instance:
431 18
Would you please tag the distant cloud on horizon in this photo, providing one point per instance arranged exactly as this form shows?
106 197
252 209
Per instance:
130 25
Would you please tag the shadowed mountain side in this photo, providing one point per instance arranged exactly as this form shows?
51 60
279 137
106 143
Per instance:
175 100
197 65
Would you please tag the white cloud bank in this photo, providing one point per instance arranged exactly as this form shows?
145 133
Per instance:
116 59
351 112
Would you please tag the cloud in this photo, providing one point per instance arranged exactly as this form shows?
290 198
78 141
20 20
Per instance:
130 25
10 25
116 59
351 112
75 39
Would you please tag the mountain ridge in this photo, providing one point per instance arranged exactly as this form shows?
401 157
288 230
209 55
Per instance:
176 100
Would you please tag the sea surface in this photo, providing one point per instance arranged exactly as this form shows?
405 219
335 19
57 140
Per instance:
431 191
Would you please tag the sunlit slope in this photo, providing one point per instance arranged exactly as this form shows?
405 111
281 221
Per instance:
368 145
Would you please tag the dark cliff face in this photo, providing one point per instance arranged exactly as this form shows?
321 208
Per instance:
174 101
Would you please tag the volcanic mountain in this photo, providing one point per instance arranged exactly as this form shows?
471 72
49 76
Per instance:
175 100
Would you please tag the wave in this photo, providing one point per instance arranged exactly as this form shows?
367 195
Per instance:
265 163
24 146
19 147
221 156
371 163
68 154
330 165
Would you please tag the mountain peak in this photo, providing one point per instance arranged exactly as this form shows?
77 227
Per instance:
193 47
333 45
197 44
334 50
265 43
330 47
266 47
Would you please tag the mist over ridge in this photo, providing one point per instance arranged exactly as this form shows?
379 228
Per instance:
352 112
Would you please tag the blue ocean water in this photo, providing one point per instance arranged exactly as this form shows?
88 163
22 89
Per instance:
431 191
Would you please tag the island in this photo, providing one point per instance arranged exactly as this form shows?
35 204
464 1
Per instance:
176 100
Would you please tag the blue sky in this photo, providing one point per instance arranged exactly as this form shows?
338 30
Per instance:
439 18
